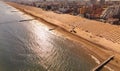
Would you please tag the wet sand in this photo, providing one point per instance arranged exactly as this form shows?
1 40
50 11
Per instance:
97 46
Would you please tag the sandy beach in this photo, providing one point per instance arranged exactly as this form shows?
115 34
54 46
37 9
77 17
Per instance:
101 39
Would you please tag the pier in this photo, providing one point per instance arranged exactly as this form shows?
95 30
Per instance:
99 67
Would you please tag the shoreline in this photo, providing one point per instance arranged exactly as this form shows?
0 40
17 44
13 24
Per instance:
60 34
75 37
96 60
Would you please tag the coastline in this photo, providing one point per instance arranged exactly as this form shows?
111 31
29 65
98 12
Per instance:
104 51
59 33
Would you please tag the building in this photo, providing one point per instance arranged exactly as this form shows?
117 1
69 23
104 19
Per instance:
93 1
102 2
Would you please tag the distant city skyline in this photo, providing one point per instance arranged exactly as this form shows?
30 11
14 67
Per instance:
57 0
